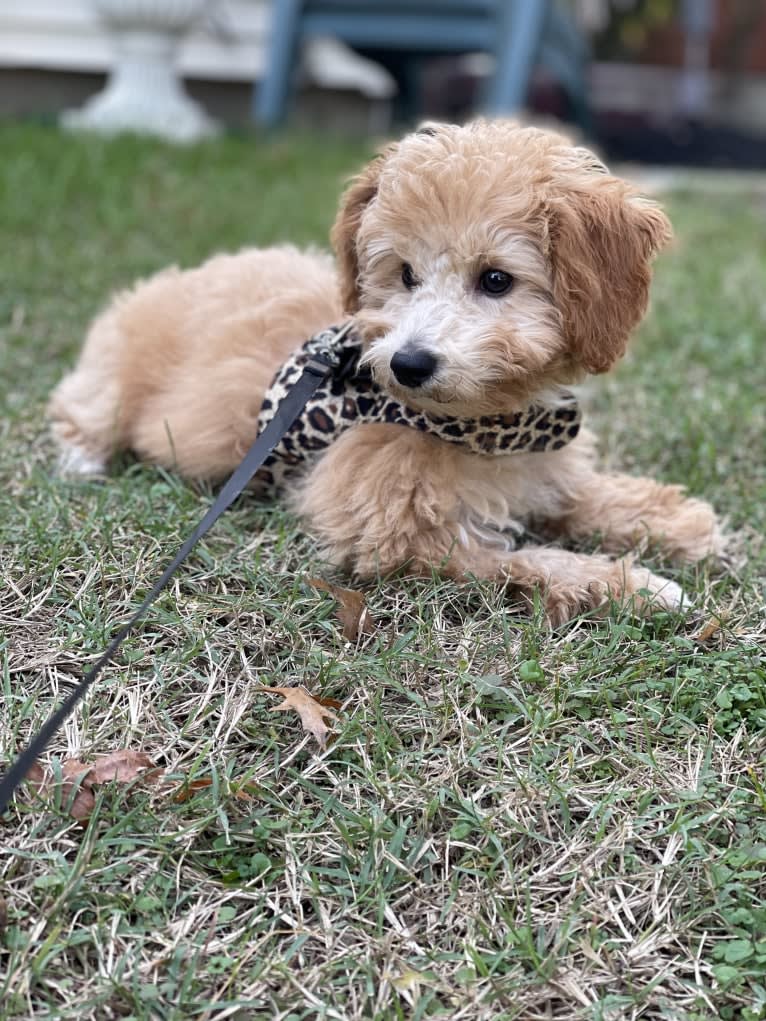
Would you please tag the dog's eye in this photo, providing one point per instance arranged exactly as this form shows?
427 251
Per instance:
408 277
495 282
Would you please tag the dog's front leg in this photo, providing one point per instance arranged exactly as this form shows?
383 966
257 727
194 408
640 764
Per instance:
635 513
572 583
384 498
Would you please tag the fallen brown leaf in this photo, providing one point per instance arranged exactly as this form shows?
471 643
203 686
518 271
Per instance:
78 778
352 609
310 710
190 787
80 806
123 765
74 768
710 627
247 792
328 703
36 775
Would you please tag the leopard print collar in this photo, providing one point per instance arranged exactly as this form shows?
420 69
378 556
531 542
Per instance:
349 397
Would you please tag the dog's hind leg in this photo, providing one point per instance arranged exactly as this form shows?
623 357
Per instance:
381 499
85 407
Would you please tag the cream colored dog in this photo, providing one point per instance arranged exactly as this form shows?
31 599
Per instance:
485 266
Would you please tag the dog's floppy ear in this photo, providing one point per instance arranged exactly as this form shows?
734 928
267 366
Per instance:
603 238
357 197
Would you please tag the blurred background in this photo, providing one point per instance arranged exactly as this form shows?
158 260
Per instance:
659 81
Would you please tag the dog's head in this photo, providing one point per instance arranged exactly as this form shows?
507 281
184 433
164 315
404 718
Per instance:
487 263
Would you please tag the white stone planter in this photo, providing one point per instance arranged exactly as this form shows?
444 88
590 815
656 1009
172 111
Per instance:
144 93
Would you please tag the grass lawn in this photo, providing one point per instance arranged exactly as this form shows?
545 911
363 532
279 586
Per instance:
509 823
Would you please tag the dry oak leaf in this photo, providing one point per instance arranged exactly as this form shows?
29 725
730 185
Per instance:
79 778
714 624
310 710
73 773
36 775
247 792
352 609
190 787
77 795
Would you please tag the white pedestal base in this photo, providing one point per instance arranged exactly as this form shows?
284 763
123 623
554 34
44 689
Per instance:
144 93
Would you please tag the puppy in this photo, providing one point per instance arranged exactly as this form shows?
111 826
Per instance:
486 267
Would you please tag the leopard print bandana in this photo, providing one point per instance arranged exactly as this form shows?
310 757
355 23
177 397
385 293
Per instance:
349 397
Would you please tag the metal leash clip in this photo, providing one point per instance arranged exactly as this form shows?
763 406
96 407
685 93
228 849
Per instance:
328 355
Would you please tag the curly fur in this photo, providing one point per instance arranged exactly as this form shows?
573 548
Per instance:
176 368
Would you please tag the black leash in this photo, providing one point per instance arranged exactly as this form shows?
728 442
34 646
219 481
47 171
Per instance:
315 371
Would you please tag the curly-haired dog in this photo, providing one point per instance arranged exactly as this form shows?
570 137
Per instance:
486 267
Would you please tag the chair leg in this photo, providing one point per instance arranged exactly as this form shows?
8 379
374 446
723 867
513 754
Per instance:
520 32
407 70
572 75
566 52
271 94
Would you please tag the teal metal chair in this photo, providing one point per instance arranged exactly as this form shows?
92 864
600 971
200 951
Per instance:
401 34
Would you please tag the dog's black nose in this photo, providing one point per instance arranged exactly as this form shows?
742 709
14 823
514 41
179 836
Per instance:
413 366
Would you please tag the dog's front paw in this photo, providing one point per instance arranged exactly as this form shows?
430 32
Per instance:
641 590
76 462
574 583
653 592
